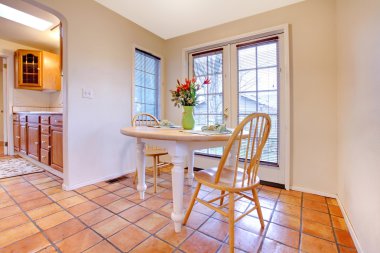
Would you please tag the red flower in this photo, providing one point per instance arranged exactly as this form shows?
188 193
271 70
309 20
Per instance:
186 86
194 79
207 81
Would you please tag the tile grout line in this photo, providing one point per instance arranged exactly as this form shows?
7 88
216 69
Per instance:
76 218
156 211
332 226
34 223
301 225
269 222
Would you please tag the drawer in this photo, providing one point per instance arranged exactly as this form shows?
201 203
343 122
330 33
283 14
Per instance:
56 120
45 156
16 117
45 141
45 129
22 117
34 119
45 119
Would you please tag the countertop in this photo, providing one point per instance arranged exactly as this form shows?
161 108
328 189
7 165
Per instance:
39 112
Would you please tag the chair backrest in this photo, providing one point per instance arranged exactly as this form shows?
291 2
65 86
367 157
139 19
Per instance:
249 137
144 119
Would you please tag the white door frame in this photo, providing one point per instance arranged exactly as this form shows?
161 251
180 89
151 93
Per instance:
8 77
285 152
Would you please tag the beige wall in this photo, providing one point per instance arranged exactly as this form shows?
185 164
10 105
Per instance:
358 117
313 89
99 57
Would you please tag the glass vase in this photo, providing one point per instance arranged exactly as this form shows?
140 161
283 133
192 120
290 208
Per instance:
188 121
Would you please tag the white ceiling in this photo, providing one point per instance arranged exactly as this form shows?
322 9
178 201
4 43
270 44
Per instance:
12 31
172 18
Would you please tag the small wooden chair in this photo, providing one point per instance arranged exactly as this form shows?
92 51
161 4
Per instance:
146 119
249 137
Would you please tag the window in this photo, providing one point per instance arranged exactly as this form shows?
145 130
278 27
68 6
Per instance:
250 84
258 71
210 100
146 86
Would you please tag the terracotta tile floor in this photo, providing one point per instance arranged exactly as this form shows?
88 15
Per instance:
37 216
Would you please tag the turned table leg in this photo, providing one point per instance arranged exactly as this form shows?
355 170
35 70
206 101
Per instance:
141 186
177 184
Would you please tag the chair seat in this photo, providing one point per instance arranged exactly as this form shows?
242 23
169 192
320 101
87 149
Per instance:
207 177
155 152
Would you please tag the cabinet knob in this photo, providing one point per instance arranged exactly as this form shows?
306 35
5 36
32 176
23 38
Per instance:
18 137
36 142
43 141
49 146
43 156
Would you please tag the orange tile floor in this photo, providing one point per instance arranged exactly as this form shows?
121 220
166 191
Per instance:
37 216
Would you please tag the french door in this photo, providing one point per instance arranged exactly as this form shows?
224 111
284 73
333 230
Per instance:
245 78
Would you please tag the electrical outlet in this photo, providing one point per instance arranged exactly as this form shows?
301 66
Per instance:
87 93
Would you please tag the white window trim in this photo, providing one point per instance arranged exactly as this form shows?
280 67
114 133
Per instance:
161 100
284 151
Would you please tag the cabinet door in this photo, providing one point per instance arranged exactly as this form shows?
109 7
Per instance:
16 135
23 138
34 141
56 137
28 64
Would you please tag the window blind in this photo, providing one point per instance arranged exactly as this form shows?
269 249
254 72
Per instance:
146 83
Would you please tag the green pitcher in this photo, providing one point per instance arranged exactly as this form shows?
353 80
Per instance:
188 121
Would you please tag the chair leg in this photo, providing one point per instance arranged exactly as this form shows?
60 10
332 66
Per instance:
231 220
257 203
222 192
158 162
195 195
135 178
155 173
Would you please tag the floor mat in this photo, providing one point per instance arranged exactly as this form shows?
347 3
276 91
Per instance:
10 167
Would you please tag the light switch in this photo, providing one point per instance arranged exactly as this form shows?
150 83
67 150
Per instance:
87 93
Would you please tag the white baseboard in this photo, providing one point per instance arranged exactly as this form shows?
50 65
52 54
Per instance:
44 166
345 216
350 227
307 190
93 181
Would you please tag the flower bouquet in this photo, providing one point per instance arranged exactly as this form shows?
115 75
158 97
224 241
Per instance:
185 95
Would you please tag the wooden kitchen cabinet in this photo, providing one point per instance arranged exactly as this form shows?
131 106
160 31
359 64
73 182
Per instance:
37 70
16 132
40 136
23 135
45 139
34 136
56 138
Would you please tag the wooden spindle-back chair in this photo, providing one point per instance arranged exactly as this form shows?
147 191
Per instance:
146 119
244 147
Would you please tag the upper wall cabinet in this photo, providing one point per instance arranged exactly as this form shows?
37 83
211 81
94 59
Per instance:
37 70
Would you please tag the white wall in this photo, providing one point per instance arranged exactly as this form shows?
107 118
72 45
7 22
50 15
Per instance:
313 84
98 55
358 117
